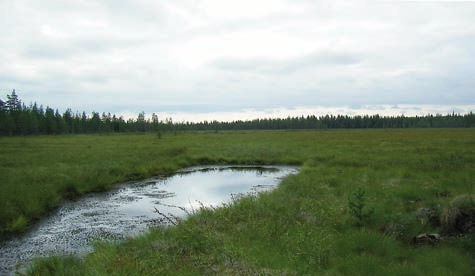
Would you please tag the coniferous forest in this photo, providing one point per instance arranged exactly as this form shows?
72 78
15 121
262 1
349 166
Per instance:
16 118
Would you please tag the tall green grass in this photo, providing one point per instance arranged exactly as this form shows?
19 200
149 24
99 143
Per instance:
303 227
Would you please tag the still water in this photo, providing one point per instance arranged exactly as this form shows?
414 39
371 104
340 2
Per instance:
129 209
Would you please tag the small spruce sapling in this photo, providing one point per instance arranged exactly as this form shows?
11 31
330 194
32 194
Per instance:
356 204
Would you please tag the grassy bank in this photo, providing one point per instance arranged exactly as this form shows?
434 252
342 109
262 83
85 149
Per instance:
411 182
36 173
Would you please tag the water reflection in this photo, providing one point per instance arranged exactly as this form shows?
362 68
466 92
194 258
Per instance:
128 209
193 187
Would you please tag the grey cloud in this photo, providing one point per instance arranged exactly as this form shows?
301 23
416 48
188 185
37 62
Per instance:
77 47
321 59
125 51
288 66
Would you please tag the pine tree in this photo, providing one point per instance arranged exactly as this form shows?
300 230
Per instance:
13 103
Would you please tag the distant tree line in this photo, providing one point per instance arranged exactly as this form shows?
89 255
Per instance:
338 122
16 118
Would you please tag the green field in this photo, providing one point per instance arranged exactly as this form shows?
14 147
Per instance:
304 227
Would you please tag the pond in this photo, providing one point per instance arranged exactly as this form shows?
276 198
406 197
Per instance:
129 209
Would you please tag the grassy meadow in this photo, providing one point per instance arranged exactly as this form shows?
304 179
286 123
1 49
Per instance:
354 208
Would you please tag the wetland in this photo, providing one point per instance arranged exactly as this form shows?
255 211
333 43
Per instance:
128 209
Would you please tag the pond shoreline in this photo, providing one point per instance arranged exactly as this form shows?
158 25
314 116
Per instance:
127 210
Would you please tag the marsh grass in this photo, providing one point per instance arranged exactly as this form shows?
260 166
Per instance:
301 228
459 214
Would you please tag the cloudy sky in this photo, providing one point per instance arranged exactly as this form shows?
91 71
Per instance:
192 59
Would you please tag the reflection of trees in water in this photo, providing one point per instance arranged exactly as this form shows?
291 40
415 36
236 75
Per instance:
257 169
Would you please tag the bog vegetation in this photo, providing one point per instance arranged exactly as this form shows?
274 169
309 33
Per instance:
366 202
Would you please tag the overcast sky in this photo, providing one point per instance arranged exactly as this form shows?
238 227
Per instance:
239 59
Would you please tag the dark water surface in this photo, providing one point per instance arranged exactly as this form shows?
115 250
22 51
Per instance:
128 209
